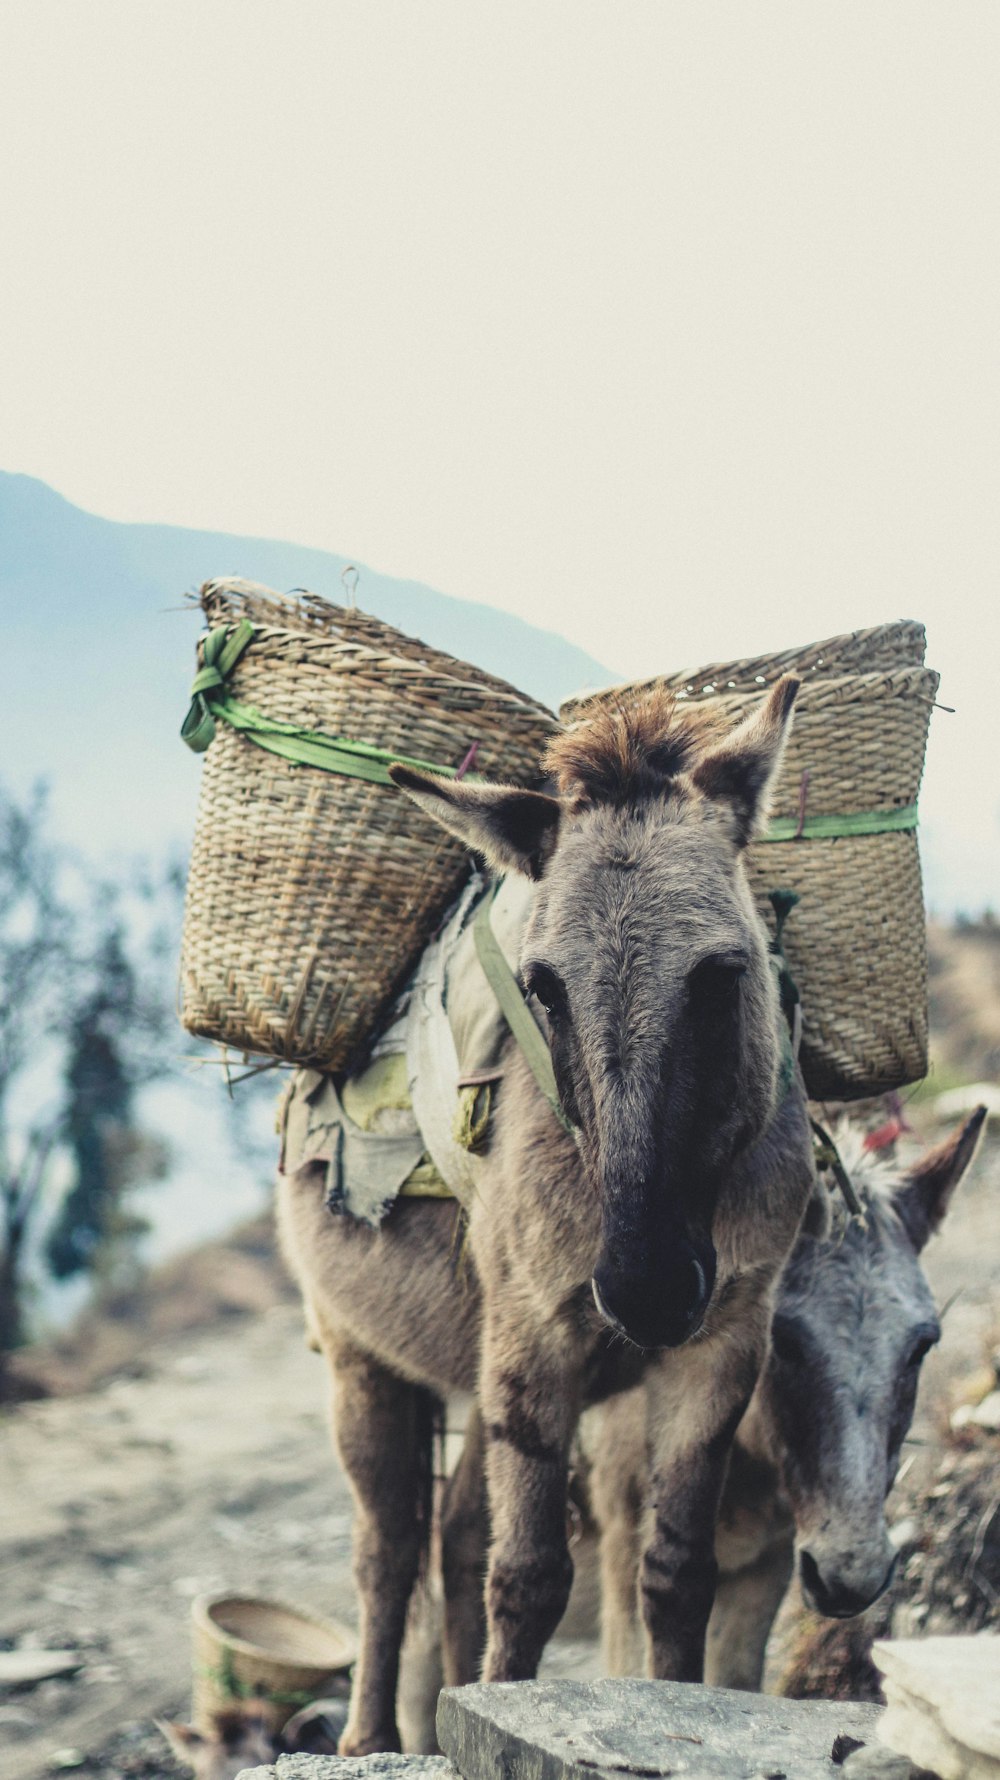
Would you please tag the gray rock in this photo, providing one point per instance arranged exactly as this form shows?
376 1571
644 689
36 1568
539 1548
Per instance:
22 1668
873 1762
575 1730
365 1767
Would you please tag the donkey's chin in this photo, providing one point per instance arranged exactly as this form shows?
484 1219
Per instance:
668 1334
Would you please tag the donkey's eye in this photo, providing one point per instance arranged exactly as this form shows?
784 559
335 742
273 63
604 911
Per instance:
717 979
547 989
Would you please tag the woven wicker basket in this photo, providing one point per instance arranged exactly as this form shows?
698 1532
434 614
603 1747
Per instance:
855 942
246 1649
311 894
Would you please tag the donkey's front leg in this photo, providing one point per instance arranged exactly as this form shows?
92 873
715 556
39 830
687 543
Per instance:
530 1401
619 1486
464 1544
746 1605
383 1432
698 1395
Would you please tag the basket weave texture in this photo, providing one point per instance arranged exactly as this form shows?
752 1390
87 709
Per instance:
248 1649
311 894
856 941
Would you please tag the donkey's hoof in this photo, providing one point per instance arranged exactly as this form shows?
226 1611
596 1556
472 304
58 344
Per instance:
377 1743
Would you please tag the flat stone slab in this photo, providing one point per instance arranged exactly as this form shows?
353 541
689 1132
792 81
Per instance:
875 1762
364 1767
579 1730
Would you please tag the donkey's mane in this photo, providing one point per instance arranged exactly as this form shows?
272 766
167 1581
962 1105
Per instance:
630 750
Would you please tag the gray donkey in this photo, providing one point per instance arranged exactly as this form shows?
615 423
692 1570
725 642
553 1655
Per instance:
656 1225
818 1449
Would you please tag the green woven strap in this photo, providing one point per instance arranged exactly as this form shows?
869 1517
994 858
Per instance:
515 1010
210 700
232 1687
822 828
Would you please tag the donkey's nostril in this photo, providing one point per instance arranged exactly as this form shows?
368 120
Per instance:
694 1279
602 1308
696 1285
809 1570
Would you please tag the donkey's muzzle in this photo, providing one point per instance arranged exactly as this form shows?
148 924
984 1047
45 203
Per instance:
837 1598
657 1306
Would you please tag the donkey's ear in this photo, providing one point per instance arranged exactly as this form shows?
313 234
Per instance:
182 1738
926 1193
741 769
514 830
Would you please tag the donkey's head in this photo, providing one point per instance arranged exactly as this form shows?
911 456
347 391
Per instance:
240 1737
853 1320
645 953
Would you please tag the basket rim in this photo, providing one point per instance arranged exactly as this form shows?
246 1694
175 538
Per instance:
233 589
201 1615
814 694
768 666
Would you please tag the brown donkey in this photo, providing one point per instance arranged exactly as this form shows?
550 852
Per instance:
648 1236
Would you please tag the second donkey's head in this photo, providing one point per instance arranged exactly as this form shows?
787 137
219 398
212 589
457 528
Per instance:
853 1320
646 954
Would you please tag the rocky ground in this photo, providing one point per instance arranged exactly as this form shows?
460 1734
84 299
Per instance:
201 1465
193 1456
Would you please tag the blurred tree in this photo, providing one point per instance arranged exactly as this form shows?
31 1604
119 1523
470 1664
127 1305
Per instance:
103 1068
34 952
82 1025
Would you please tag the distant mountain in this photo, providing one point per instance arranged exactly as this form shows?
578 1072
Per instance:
97 656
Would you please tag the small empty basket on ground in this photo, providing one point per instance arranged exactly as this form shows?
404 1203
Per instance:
244 1649
843 841
314 884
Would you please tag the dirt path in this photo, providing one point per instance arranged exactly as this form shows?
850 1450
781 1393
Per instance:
212 1471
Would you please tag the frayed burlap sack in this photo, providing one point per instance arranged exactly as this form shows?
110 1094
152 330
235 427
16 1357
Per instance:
843 841
313 890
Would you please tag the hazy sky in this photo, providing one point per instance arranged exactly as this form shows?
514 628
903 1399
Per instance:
671 326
